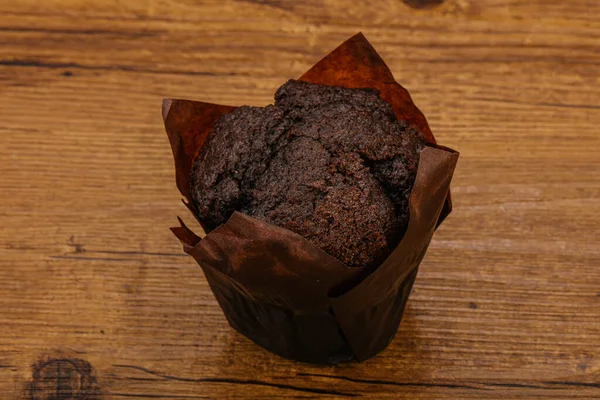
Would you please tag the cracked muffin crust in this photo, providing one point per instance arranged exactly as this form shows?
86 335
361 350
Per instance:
331 164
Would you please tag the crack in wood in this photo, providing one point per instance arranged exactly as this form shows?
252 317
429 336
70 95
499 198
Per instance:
392 383
563 105
135 253
513 385
466 385
420 4
122 68
541 104
92 258
274 4
577 384
83 32
250 382
80 249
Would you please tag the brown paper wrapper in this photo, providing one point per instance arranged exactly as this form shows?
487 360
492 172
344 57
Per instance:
278 289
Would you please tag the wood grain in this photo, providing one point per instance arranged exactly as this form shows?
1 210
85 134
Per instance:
507 301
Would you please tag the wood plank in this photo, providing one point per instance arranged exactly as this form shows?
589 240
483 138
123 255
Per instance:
507 301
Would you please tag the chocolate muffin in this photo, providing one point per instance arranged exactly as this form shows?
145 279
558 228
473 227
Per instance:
331 164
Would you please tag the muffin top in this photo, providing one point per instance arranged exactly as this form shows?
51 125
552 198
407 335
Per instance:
331 164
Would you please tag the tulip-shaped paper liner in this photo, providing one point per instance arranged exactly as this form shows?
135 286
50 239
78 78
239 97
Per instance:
280 290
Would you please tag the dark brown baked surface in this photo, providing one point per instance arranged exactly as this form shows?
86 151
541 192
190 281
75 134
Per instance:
329 163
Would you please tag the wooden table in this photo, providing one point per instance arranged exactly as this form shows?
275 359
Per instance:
96 295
